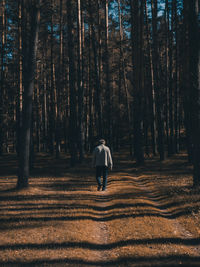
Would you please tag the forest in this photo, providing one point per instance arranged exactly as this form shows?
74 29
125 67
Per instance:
75 71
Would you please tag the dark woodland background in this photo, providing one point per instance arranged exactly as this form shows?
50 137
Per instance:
75 71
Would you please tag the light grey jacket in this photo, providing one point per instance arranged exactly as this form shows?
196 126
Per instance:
102 156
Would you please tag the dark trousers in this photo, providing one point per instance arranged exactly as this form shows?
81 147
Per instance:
102 171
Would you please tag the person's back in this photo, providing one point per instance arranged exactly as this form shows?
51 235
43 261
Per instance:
102 156
102 160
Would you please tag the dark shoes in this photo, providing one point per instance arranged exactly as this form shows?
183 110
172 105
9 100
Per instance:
99 188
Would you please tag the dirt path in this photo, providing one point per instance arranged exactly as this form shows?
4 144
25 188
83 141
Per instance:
138 221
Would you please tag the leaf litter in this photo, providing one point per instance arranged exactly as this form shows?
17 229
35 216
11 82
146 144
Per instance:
148 216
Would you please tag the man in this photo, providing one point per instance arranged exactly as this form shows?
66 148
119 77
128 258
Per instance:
102 160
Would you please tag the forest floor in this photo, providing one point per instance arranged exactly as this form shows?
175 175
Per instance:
148 216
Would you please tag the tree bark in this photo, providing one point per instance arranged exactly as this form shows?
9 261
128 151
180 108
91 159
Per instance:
158 95
171 95
186 80
96 69
72 94
90 93
194 49
176 81
152 94
20 75
2 80
60 86
123 75
107 70
28 93
137 43
52 122
80 84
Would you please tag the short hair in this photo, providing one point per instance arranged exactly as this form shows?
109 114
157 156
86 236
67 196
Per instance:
102 141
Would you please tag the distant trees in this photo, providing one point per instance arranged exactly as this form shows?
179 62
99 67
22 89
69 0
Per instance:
114 69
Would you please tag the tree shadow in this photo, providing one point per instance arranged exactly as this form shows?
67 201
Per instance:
154 261
138 201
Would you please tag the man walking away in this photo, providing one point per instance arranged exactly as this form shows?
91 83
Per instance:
102 160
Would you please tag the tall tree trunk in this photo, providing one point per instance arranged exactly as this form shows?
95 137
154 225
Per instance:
159 100
176 81
28 93
20 74
66 93
107 70
80 84
170 77
167 75
186 80
100 51
90 93
73 104
123 75
96 69
2 77
194 48
45 122
152 96
37 118
52 122
60 86
137 44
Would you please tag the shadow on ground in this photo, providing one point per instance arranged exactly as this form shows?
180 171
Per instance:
64 194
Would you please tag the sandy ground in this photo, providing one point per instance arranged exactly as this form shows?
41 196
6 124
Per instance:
148 216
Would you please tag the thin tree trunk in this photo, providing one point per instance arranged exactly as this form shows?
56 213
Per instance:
153 102
52 122
137 43
167 74
60 86
20 74
86 111
96 68
2 81
171 106
176 80
45 122
38 111
123 76
160 124
73 104
186 80
107 70
80 84
66 120
90 93
84 82
194 88
100 51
